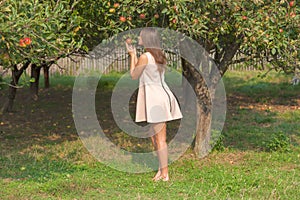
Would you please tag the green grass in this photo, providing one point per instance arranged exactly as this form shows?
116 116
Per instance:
48 161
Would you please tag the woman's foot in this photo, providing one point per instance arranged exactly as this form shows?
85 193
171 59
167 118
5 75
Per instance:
157 176
165 178
162 177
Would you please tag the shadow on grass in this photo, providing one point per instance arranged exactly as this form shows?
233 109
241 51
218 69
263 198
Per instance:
48 124
256 110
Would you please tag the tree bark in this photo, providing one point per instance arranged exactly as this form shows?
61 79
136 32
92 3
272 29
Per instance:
46 76
34 83
201 144
12 90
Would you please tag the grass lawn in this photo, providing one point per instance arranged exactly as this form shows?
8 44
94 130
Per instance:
258 156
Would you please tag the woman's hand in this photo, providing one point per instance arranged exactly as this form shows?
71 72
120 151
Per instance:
130 48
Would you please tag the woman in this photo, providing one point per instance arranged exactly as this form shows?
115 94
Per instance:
156 104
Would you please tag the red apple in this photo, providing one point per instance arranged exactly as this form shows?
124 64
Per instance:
244 17
27 41
128 41
156 16
292 3
122 19
116 5
174 21
142 16
281 30
175 8
22 43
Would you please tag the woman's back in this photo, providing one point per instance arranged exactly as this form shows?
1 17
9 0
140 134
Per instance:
156 102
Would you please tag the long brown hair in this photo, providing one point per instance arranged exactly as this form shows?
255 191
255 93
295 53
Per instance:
151 41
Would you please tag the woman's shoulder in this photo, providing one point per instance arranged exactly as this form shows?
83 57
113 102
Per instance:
144 56
149 57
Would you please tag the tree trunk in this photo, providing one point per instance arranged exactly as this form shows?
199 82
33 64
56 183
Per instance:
187 79
34 83
12 90
46 76
201 144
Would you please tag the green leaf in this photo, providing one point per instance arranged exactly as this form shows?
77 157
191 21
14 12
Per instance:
165 10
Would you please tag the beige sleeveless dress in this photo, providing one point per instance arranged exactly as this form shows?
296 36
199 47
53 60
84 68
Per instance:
155 102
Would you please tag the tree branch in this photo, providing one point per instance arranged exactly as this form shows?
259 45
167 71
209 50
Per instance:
228 55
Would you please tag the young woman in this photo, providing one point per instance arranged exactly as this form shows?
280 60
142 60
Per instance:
156 104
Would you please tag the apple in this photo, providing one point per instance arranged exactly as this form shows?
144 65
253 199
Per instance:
116 5
112 10
129 43
175 9
292 3
196 21
22 43
129 18
77 29
27 41
142 16
237 8
244 17
122 19
281 30
292 14
128 40
156 16
174 21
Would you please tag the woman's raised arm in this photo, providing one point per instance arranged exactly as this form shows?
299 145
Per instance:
137 65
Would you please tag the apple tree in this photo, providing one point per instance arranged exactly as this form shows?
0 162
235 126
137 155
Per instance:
227 28
266 31
35 33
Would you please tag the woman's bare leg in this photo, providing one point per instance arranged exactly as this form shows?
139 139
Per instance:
162 149
153 140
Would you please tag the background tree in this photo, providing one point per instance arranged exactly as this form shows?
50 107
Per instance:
227 28
35 33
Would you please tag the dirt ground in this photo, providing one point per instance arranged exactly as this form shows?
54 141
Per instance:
49 120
